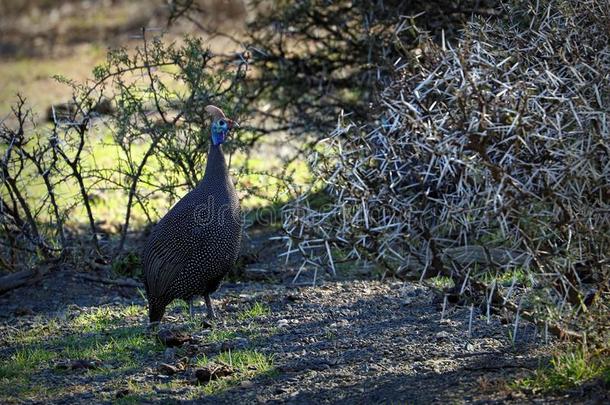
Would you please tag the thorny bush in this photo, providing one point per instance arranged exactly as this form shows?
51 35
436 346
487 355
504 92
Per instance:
489 163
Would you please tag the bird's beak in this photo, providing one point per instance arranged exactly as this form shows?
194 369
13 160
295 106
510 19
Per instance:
233 124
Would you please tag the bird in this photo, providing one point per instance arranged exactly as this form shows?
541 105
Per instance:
198 240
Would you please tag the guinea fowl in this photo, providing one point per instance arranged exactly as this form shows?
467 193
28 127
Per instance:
197 242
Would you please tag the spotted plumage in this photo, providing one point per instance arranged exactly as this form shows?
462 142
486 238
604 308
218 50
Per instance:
197 242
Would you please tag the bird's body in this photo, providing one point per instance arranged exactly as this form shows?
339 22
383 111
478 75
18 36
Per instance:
196 243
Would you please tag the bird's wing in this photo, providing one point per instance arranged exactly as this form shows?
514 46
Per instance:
166 256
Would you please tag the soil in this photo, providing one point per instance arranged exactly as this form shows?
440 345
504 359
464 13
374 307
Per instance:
351 341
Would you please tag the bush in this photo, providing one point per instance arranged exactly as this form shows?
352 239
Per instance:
489 157
314 58
148 149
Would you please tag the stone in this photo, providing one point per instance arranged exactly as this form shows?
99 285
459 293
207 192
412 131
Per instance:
213 371
171 338
168 369
169 354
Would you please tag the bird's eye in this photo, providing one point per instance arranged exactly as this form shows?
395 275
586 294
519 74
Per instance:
222 123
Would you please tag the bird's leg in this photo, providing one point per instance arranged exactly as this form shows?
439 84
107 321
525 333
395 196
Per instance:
208 303
191 310
152 326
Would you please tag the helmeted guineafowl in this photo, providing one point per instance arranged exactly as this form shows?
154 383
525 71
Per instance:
197 242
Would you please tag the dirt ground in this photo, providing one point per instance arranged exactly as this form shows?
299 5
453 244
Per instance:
356 341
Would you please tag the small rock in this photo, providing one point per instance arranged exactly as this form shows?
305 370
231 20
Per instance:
237 343
23 311
246 384
168 369
171 338
470 347
80 364
170 354
443 335
340 323
446 321
213 371
282 323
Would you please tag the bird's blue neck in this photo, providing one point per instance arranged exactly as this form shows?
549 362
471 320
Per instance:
217 138
216 165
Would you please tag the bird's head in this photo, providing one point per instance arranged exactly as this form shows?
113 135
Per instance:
221 125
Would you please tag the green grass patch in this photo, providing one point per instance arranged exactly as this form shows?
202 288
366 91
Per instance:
255 311
17 370
247 364
220 335
441 282
517 275
37 333
568 369
120 349
103 318
112 335
115 337
25 361
246 360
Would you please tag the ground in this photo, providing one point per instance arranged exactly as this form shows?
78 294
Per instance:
66 339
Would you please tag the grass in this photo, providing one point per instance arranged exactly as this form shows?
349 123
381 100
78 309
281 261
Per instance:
518 275
571 368
246 363
220 335
25 360
33 78
102 318
441 282
115 336
255 311
112 335
39 331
